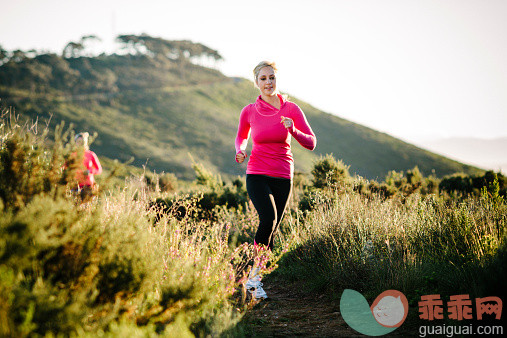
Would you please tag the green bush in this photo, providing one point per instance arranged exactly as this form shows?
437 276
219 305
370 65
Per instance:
373 189
313 198
28 167
205 201
402 185
329 172
329 176
46 248
165 182
463 185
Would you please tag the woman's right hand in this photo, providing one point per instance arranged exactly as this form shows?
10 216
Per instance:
240 156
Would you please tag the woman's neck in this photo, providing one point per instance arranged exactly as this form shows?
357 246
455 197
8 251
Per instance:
273 100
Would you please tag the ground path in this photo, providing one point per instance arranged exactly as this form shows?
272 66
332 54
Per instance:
290 311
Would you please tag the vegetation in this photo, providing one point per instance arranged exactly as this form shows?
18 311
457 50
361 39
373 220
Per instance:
129 262
175 50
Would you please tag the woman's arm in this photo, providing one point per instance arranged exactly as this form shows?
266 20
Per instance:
96 167
301 129
243 134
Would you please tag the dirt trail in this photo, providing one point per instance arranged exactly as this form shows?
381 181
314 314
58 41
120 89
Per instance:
290 312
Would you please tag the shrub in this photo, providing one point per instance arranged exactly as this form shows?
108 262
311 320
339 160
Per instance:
165 182
463 185
328 172
402 185
313 198
211 194
28 168
329 176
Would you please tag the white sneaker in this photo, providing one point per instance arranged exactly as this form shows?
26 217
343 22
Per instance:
254 278
255 288
254 285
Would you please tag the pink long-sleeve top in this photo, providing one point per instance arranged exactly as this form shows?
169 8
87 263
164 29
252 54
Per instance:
92 164
271 151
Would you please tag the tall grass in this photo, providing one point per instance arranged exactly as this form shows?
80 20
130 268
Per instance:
418 245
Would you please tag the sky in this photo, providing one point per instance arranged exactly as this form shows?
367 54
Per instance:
415 69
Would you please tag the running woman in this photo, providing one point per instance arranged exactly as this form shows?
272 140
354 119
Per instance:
271 121
91 166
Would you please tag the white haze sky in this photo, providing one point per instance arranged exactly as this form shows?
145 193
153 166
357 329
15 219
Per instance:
415 69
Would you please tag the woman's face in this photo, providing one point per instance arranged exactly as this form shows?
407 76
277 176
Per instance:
82 142
266 81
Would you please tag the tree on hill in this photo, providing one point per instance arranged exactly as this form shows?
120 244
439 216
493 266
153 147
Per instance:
72 50
18 56
3 55
89 39
77 49
170 49
76 71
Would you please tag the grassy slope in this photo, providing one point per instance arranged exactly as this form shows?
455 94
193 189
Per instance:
161 112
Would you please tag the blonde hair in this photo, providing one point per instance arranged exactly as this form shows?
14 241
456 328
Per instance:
82 138
261 65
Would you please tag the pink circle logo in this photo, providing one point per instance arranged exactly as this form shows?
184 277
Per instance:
390 308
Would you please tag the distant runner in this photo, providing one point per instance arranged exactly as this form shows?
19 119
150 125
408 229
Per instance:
91 166
271 121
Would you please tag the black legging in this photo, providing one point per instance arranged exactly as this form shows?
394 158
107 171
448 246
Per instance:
269 196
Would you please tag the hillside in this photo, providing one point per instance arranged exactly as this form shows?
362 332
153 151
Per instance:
159 109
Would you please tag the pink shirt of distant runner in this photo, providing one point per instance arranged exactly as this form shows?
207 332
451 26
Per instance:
271 150
92 164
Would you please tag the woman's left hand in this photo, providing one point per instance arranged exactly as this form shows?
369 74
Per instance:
287 122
